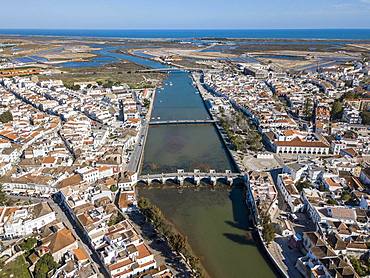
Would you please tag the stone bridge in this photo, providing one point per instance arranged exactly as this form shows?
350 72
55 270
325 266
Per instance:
176 122
196 176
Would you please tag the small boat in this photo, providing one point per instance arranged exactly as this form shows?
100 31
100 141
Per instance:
158 118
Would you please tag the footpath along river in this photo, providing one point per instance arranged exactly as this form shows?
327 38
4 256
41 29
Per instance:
215 222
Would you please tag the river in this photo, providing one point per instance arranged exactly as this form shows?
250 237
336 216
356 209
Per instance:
188 147
215 222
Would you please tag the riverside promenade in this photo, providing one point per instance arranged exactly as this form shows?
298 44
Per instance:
272 253
138 154
206 95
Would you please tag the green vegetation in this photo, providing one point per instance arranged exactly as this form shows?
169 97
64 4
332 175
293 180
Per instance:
141 85
71 86
353 95
146 103
116 218
303 184
18 268
362 265
336 110
242 134
268 231
3 197
308 108
6 117
110 84
346 196
331 201
108 75
176 241
44 265
365 115
114 188
28 244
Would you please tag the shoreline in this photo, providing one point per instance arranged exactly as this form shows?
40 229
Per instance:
259 242
10 33
224 139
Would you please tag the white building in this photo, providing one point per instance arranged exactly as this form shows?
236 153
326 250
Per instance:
290 193
23 221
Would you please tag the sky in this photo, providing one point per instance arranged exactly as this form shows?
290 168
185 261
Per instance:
184 14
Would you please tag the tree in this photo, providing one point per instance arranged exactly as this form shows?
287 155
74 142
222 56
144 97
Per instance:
345 196
336 110
76 87
28 244
365 117
177 242
3 197
146 103
303 184
114 188
44 265
6 117
361 266
108 84
308 108
268 231
332 201
116 218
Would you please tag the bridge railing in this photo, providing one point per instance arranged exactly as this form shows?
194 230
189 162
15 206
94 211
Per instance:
191 174
182 122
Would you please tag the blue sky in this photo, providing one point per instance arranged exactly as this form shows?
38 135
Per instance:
184 14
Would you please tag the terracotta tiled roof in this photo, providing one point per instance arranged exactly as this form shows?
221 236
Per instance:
143 251
49 159
80 254
73 180
120 264
59 240
297 142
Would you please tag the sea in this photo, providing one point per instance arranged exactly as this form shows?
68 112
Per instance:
340 34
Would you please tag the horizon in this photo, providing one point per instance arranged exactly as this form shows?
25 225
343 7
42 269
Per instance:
190 29
207 14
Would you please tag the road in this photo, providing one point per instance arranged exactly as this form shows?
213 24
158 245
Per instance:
134 163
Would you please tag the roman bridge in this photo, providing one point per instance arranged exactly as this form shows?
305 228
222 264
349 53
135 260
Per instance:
195 177
175 122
